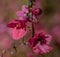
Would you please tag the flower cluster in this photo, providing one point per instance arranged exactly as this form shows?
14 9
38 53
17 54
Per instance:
39 42
28 13
18 26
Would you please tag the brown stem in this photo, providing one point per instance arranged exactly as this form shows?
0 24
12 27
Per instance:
2 55
14 47
23 40
33 31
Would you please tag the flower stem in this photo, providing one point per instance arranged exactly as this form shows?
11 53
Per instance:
33 31
2 55
23 40
14 47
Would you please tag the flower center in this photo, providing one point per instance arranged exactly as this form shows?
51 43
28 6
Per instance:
40 40
18 26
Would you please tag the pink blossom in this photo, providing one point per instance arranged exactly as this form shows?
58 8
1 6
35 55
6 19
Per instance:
36 8
16 29
41 49
40 43
36 11
17 34
25 9
21 15
18 13
26 13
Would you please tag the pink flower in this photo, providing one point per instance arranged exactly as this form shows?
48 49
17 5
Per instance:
22 15
36 11
26 13
41 49
25 9
17 29
40 43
